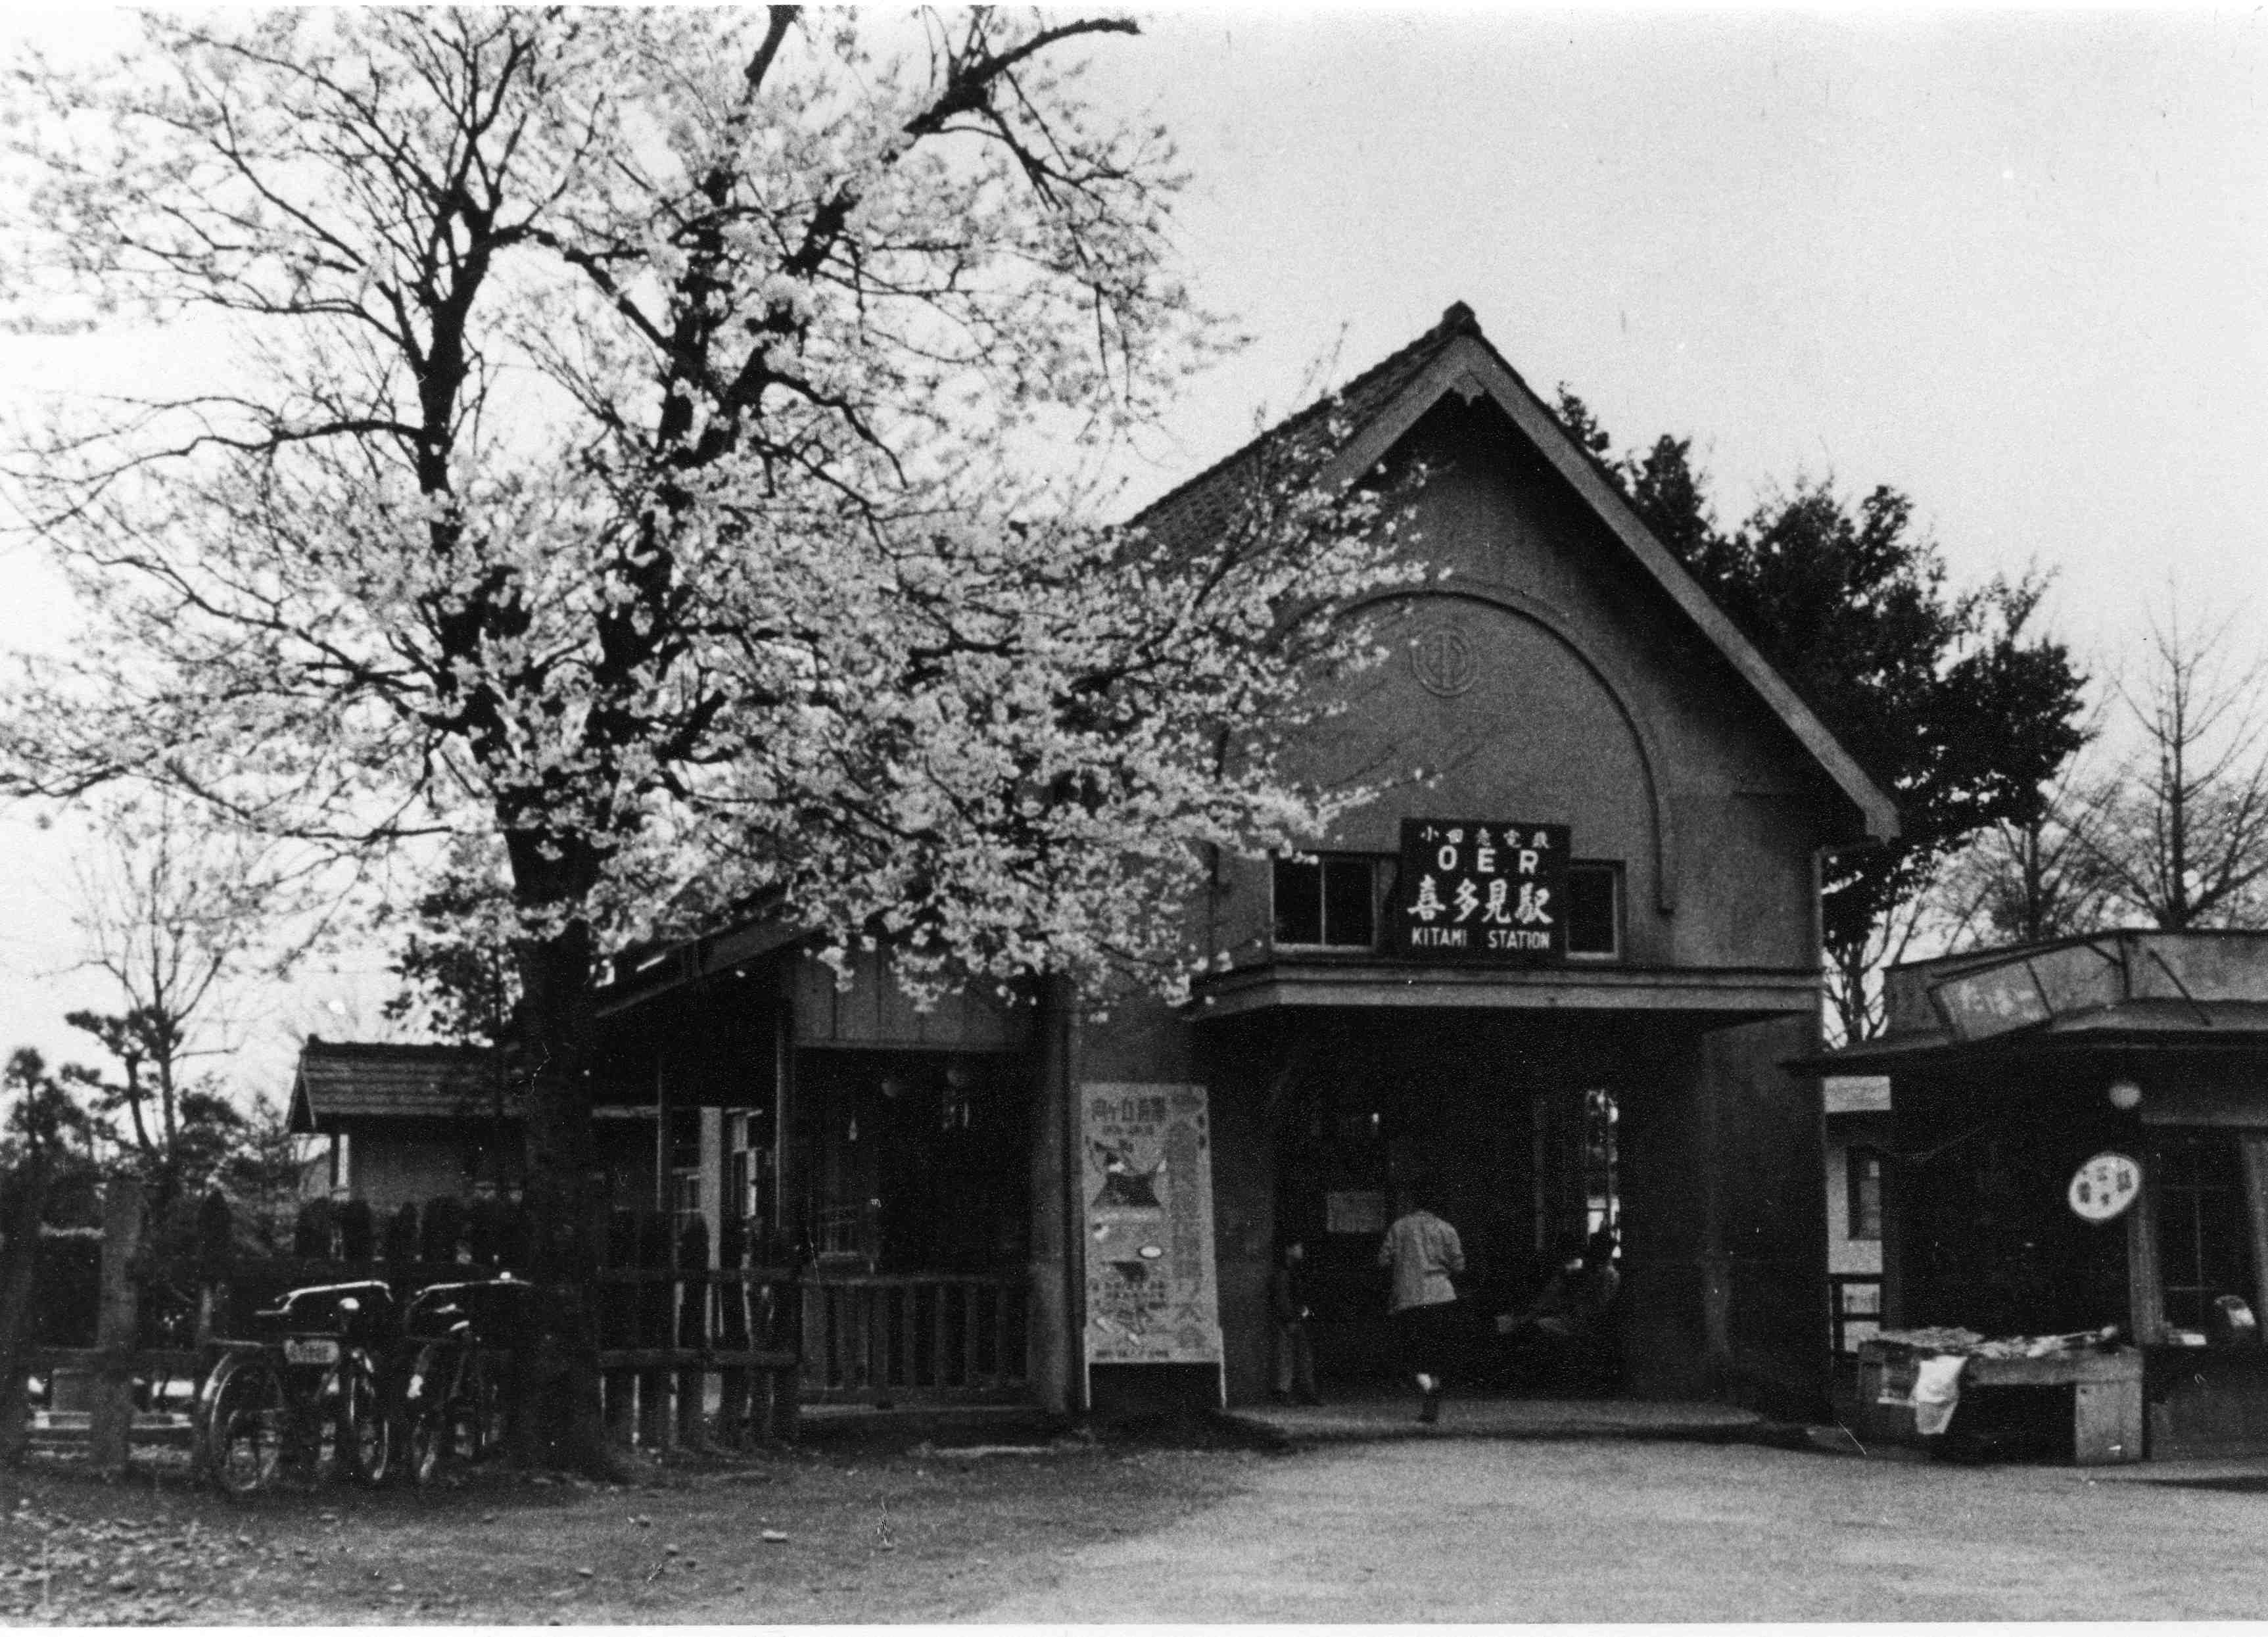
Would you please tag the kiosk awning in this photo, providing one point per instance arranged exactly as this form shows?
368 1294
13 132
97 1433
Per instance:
2180 992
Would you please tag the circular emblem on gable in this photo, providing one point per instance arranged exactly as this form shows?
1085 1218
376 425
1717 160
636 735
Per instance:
1443 661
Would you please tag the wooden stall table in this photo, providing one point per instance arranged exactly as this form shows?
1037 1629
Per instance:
2106 1390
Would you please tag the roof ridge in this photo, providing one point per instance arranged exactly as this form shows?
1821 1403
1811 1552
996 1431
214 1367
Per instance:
317 1046
1457 319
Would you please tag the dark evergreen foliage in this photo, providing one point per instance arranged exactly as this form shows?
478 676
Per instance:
1951 700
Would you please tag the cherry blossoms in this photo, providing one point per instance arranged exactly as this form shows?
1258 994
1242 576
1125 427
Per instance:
648 471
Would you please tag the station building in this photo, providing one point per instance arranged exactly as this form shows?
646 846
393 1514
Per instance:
1103 1200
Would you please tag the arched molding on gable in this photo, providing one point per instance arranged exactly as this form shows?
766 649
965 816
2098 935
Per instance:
1556 625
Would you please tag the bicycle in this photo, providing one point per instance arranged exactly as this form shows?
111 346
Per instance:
450 1403
306 1400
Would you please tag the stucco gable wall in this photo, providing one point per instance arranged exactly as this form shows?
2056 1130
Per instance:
1574 692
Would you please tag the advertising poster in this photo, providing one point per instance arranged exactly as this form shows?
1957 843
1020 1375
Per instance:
1148 1186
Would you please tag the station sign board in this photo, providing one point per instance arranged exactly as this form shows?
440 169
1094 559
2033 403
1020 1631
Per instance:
1486 891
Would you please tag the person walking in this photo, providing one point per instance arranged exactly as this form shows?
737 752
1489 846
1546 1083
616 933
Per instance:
1425 1254
1295 1353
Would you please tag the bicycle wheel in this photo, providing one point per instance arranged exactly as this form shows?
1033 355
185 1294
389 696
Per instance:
479 1411
243 1418
427 1418
365 1434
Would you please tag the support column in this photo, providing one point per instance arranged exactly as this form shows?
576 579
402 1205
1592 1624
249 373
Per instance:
1053 1360
110 1431
713 1177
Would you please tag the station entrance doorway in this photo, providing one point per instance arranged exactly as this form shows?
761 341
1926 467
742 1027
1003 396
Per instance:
1514 1123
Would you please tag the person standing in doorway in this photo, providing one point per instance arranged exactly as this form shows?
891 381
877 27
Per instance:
1287 1304
1425 1254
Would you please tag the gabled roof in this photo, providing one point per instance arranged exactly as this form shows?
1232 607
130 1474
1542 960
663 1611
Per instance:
341 1082
1378 409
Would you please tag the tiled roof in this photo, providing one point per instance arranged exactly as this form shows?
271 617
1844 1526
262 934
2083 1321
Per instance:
351 1080
1200 509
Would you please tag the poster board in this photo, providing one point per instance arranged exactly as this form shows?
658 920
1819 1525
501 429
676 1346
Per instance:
1146 1189
1360 1212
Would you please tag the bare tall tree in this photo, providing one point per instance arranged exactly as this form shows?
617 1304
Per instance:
2182 833
2028 882
173 912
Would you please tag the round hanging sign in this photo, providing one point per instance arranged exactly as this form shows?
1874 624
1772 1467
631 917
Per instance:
2105 1186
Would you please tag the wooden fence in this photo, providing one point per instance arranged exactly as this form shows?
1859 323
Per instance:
689 1352
913 1337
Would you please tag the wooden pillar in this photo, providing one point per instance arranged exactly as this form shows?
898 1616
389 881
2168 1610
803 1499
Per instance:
732 1333
1054 1338
2255 1149
784 1315
662 1201
778 1317
618 1326
2145 1296
715 1167
653 1329
692 1292
112 1423
786 1181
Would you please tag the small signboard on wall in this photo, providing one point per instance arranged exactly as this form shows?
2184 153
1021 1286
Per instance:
1362 1210
1487 891
2101 1189
1146 1185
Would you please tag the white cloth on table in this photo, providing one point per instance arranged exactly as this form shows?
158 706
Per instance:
1937 1392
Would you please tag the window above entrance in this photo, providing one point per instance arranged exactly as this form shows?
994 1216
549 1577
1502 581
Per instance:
1333 901
1328 902
1594 906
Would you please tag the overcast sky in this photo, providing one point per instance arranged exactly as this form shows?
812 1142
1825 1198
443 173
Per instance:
2015 265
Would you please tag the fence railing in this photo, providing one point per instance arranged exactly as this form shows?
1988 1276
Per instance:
916 1336
688 1352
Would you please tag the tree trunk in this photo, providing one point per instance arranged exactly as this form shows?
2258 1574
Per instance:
559 1393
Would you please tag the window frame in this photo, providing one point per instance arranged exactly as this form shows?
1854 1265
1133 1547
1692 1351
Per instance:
1319 860
1855 1157
2150 1228
1612 869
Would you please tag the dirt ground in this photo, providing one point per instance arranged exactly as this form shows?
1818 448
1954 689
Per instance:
1598 1531
1460 1528
884 1537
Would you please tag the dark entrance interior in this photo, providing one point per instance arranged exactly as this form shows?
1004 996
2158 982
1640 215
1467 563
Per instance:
1514 1123
912 1162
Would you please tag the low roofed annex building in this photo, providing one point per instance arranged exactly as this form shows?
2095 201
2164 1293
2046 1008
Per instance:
2009 1070
404 1123
1552 976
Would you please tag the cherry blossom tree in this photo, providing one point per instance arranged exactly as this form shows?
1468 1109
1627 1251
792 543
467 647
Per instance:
643 466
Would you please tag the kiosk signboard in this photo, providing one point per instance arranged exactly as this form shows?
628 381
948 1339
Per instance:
1487 891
